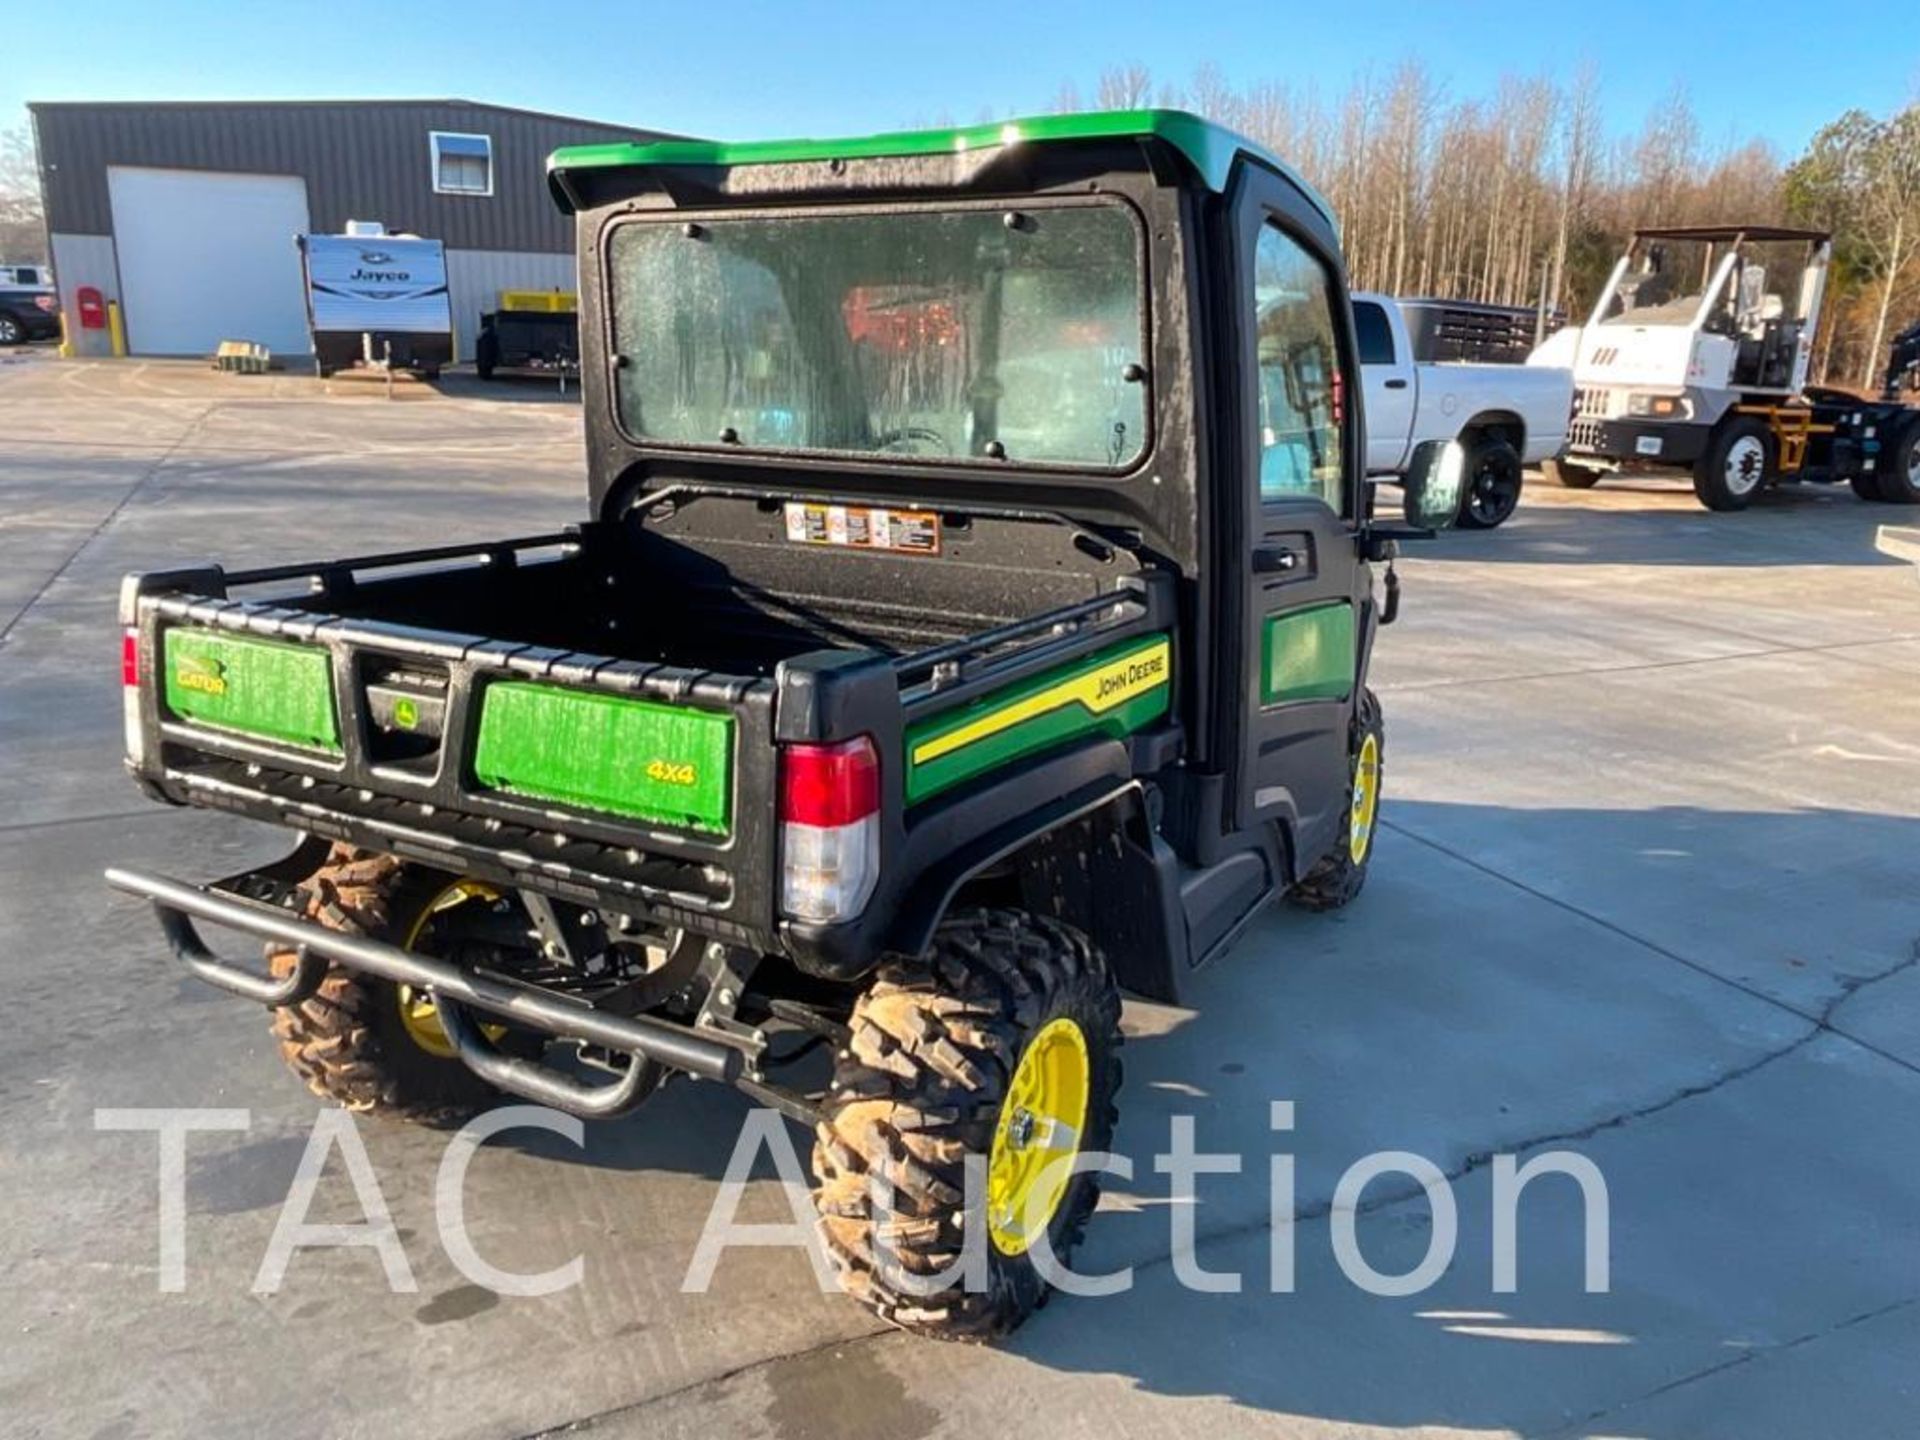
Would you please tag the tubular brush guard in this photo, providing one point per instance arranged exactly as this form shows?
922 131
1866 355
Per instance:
648 1043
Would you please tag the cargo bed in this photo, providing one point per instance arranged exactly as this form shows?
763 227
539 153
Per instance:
596 713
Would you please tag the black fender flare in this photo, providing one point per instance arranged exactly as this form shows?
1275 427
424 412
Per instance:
960 837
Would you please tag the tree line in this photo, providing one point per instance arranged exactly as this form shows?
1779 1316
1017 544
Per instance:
23 235
1521 197
1526 197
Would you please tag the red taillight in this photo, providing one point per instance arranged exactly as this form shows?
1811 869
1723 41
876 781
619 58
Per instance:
829 829
131 718
46 303
829 785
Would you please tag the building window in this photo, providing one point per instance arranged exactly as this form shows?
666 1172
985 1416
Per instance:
462 164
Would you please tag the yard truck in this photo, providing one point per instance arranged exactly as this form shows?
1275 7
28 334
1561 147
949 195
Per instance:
972 622
1696 357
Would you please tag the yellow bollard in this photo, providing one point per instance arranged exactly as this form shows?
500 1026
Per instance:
115 330
66 340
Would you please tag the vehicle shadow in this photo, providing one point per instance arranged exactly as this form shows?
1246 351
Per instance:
1657 521
1454 1016
689 1128
525 388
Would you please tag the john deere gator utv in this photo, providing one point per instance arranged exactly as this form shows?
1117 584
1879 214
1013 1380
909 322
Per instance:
972 622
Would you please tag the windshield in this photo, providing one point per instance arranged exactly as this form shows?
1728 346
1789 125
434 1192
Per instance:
1664 283
969 333
1667 280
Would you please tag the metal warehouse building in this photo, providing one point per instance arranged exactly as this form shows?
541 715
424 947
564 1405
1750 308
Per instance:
186 212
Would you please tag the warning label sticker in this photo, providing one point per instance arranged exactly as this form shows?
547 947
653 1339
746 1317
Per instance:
917 532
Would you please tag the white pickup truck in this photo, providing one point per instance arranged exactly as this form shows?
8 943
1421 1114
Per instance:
1507 416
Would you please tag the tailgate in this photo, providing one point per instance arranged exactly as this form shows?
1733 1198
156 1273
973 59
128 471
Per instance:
585 775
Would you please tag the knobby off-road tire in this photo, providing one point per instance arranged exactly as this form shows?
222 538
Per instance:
1342 871
349 1043
923 1085
1570 475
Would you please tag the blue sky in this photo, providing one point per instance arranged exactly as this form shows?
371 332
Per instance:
752 68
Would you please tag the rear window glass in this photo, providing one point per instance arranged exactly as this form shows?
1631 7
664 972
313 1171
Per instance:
967 334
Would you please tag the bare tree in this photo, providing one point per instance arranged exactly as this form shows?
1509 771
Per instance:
1124 87
23 230
1579 147
1517 196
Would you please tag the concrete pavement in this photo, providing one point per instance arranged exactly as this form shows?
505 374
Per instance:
1646 892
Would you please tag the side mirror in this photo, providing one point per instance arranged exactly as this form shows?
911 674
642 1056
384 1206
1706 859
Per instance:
1434 482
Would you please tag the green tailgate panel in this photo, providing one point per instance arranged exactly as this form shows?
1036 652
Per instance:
269 689
1308 654
662 763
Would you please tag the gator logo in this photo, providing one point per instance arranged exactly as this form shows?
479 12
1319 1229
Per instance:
202 673
406 714
672 772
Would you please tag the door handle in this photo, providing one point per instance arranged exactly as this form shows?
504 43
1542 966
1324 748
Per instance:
1275 560
1396 384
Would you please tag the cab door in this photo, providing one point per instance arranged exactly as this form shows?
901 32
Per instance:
1389 384
1306 599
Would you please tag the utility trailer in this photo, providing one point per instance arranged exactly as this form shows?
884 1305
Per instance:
1696 357
534 332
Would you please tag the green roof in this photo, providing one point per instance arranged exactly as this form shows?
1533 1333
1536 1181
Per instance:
1209 148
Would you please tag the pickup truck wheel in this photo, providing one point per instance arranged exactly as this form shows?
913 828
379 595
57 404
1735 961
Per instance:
365 1043
1572 476
972 1081
11 332
1493 485
1340 874
1736 465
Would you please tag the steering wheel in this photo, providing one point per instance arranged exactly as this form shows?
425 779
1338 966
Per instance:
910 437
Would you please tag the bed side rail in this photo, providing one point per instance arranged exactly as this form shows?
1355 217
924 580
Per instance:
958 671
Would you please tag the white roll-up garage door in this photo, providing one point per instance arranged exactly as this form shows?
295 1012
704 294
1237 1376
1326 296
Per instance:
207 256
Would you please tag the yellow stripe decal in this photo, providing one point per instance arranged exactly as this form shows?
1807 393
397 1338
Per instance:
1099 691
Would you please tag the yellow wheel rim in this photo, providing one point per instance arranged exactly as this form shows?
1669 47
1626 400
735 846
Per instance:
417 1015
1366 799
1037 1136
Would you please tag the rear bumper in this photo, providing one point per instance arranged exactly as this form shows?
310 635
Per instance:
649 1043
